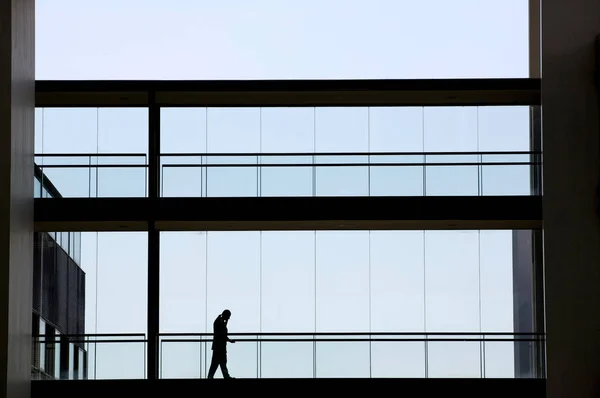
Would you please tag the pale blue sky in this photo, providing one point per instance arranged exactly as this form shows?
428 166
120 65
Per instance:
378 281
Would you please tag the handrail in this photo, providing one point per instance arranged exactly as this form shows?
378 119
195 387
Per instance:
290 154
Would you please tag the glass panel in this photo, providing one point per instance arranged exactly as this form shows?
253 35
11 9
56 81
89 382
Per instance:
454 359
39 131
120 361
233 130
287 360
82 364
71 361
506 180
342 359
397 271
287 287
121 302
342 284
342 181
396 180
69 182
123 130
232 181
56 354
497 255
181 182
287 130
42 346
450 129
452 282
452 180
37 188
286 181
398 359
181 360
233 282
183 130
341 129
183 286
500 357
122 182
70 130
396 129
504 128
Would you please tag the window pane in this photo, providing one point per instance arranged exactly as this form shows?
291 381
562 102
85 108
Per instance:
450 129
342 130
287 130
70 130
233 282
233 130
503 128
123 130
183 130
288 282
396 129
342 283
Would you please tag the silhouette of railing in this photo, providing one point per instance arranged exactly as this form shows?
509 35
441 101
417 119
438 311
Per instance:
368 355
89 356
296 355
292 174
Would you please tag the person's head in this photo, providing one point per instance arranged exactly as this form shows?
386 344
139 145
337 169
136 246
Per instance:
226 314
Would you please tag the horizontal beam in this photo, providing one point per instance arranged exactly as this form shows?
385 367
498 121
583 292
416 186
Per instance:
289 93
427 387
309 213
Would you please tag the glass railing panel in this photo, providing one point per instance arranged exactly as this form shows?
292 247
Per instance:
70 182
499 356
398 359
396 180
452 180
181 181
342 358
182 359
342 181
449 357
506 180
286 181
121 182
294 359
242 358
231 181
116 360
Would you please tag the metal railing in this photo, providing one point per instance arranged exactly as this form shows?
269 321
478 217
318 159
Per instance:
89 356
363 355
292 174
92 175
296 355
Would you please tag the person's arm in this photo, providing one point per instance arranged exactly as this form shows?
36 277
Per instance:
227 334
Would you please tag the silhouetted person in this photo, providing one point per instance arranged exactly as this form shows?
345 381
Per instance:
219 345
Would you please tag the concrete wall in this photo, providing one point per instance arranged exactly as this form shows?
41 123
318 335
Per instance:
571 175
16 199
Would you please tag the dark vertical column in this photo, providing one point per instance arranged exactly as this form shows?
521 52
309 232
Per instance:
17 30
570 123
153 238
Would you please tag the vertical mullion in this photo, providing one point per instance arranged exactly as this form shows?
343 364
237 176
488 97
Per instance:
153 299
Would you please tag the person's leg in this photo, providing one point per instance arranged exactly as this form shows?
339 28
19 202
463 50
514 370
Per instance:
214 363
224 370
